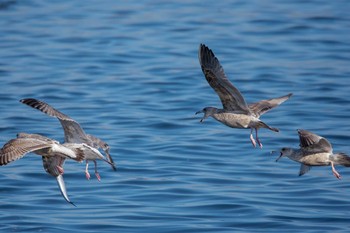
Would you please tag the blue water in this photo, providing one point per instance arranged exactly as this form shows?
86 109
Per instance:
129 73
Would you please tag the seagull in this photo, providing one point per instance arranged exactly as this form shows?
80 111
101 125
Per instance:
236 113
315 151
74 133
53 155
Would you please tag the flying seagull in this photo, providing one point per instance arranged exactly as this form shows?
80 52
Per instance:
236 113
74 133
315 151
53 154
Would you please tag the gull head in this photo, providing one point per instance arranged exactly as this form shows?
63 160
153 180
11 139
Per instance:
285 152
208 111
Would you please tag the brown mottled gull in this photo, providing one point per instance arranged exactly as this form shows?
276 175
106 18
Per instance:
74 133
53 154
236 113
315 151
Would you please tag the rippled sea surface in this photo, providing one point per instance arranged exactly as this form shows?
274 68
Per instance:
128 72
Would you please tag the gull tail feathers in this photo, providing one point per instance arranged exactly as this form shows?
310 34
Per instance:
264 125
341 159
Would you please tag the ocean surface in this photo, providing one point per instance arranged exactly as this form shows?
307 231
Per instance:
128 72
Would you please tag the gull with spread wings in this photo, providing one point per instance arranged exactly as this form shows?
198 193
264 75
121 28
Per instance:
315 151
236 113
74 133
53 154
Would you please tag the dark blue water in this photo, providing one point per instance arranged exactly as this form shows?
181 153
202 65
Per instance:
129 73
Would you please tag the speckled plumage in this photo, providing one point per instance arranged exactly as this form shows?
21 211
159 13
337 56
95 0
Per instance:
74 133
53 154
315 151
236 113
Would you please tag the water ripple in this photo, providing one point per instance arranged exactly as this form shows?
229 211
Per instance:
129 73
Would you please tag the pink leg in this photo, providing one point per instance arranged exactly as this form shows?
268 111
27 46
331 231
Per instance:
60 169
96 172
87 171
257 138
336 174
252 138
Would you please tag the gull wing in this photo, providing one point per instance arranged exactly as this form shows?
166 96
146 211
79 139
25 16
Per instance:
73 132
231 98
314 143
62 150
304 169
18 147
264 106
36 136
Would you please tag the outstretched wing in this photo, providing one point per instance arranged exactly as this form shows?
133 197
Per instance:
73 132
18 147
314 143
264 106
231 98
36 136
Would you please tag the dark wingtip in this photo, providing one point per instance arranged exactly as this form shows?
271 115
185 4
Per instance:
203 48
26 100
22 100
31 102
204 52
300 131
200 51
201 45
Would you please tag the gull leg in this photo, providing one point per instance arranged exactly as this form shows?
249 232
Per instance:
60 169
252 138
96 172
87 171
257 138
335 173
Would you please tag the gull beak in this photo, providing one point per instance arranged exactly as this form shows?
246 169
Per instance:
110 160
201 111
281 155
